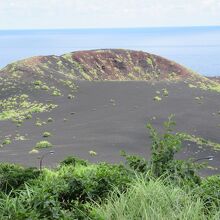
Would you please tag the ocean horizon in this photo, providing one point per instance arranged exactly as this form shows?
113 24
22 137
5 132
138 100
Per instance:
197 48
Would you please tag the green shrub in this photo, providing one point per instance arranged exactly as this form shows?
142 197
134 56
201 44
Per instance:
37 200
45 87
70 96
38 83
43 144
13 176
136 163
183 173
94 183
49 120
56 93
6 141
73 161
105 178
163 147
157 98
165 92
162 161
46 134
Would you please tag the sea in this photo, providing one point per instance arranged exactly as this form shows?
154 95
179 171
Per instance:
197 48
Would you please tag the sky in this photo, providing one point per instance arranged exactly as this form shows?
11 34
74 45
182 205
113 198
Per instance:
52 14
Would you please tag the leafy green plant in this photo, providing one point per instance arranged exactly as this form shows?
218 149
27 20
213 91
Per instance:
163 147
135 162
94 183
162 162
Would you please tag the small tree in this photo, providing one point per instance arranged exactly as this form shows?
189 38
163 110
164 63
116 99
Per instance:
163 147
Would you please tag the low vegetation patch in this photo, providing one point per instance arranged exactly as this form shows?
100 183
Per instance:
200 141
39 85
6 141
46 134
157 98
43 144
39 122
205 84
19 108
49 120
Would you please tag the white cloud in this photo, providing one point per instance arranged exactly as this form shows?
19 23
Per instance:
105 13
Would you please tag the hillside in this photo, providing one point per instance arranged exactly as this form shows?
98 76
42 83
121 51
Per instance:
101 101
99 65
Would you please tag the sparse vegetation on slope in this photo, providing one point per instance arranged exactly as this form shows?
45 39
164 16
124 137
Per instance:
100 65
19 108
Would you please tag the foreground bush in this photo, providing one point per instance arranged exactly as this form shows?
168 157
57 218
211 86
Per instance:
14 176
103 191
63 193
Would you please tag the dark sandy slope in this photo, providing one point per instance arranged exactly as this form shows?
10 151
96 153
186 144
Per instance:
107 116
104 126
